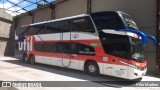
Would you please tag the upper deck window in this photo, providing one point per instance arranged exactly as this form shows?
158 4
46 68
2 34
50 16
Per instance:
82 24
107 20
128 21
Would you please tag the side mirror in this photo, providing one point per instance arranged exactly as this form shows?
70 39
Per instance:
152 38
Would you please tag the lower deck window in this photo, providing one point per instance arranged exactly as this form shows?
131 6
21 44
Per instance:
65 47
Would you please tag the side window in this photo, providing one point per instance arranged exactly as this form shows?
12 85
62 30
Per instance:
21 31
35 29
83 24
18 31
63 47
45 47
115 45
39 47
50 47
39 29
53 27
66 26
85 50
74 48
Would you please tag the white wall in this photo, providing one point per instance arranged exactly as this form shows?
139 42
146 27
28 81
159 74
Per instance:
5 33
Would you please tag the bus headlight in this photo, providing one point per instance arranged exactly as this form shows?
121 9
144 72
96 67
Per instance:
137 67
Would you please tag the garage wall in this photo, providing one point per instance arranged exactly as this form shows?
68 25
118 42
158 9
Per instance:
6 35
24 20
5 29
42 15
5 15
65 9
71 8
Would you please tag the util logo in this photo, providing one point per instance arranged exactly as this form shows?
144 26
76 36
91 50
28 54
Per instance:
26 44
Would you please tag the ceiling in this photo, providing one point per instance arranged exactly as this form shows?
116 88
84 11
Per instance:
16 7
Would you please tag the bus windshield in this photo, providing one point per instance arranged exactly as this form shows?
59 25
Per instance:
112 20
107 20
122 46
117 45
136 49
128 21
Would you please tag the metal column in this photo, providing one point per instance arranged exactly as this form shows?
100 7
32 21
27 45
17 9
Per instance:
89 6
158 36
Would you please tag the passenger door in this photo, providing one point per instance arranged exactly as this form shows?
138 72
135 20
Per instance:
65 44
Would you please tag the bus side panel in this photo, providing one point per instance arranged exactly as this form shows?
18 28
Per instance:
20 46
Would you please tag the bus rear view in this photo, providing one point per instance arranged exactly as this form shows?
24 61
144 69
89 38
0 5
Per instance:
106 43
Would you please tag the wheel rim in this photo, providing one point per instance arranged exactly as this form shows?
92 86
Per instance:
92 68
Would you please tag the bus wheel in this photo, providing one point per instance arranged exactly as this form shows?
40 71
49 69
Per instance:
92 68
32 59
25 58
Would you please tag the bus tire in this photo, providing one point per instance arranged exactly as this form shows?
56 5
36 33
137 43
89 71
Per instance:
32 59
92 68
25 58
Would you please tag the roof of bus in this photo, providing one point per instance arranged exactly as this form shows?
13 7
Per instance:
71 17
82 15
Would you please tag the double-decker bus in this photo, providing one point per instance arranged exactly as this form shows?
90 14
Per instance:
106 43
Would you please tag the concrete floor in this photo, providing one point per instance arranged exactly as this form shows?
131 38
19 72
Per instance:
12 69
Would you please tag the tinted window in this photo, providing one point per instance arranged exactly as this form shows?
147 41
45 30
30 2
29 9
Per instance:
83 24
117 45
53 27
31 30
107 20
86 50
77 48
21 31
74 48
64 47
45 47
39 47
50 47
38 29
18 31
129 22
66 26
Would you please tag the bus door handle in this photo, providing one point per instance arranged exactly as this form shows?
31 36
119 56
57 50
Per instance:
122 69
108 67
